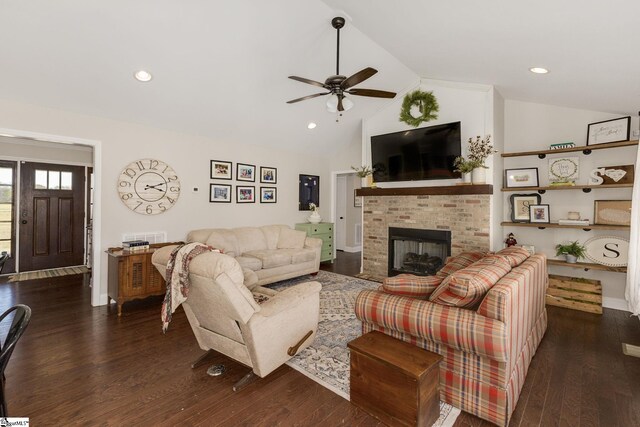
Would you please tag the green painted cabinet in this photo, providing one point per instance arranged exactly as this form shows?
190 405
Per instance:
324 231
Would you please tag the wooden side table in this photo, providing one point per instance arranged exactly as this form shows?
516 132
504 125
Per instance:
394 381
132 276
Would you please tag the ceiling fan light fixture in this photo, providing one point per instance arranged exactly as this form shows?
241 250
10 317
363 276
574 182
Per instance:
347 104
332 103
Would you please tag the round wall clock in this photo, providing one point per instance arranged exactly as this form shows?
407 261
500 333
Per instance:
148 186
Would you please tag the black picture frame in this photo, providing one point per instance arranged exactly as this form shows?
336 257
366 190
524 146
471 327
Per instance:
268 175
216 173
243 174
218 197
264 195
509 179
609 131
539 214
241 193
518 215
308 191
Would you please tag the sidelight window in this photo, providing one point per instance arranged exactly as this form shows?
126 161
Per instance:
6 208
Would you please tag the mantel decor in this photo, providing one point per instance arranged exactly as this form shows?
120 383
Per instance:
426 103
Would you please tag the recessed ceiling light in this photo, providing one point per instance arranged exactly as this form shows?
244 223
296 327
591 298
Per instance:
538 70
311 125
143 76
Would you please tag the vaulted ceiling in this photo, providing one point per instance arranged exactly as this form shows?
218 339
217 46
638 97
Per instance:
220 67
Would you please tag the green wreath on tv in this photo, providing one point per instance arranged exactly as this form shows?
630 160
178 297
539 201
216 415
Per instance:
426 103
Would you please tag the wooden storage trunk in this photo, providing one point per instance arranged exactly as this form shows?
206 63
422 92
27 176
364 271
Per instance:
396 382
575 293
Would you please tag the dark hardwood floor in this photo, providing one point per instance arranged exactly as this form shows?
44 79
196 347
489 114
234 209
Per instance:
80 365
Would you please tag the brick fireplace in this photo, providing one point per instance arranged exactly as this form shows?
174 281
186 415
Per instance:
465 216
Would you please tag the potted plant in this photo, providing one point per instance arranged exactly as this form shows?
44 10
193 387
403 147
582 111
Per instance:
572 251
365 172
465 167
314 218
479 152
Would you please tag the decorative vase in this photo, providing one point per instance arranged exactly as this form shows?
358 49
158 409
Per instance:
466 178
479 176
314 218
571 259
370 182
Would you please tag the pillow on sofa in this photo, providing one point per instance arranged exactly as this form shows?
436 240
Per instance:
291 239
467 287
514 255
458 262
410 285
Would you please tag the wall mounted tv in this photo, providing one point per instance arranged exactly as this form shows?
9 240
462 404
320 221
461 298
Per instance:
418 154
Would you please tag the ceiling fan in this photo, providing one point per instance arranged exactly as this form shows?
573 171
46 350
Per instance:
339 86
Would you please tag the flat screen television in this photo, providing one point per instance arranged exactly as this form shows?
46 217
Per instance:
418 154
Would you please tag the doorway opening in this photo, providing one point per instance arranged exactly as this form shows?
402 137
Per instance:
347 212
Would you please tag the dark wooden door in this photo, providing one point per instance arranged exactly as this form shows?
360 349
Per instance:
51 216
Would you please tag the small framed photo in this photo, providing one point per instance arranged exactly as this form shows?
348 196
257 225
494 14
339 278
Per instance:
539 214
357 200
221 170
616 130
245 194
520 206
268 175
612 212
219 193
521 178
245 172
268 194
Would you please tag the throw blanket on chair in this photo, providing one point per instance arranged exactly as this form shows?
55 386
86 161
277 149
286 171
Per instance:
178 278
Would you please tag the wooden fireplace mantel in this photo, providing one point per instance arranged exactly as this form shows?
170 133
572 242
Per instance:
444 190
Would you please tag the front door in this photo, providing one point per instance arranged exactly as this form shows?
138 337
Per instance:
51 216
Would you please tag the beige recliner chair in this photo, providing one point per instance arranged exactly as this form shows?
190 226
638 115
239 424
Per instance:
226 318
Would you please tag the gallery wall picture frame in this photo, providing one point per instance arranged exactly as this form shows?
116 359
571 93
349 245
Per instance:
539 214
245 172
564 169
612 212
607 131
268 194
268 175
524 177
357 200
520 206
219 193
220 169
245 194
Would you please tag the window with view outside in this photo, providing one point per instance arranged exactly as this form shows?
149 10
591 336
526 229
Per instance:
6 208
53 180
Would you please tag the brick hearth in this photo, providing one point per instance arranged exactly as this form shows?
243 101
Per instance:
467 216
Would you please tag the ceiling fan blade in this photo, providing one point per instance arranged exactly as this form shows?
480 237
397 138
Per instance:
372 92
340 107
358 77
307 97
311 82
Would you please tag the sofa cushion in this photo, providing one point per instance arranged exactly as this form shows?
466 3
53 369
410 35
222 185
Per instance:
514 255
458 262
467 287
249 262
411 285
271 258
272 234
299 256
249 239
291 239
224 240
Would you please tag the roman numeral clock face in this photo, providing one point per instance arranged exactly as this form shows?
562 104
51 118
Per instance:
148 186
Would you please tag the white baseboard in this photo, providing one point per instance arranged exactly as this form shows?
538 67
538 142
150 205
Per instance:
352 249
615 303
103 299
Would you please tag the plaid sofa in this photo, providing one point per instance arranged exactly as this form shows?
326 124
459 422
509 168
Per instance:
486 351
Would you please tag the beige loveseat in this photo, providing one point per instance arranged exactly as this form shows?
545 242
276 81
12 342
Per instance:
267 254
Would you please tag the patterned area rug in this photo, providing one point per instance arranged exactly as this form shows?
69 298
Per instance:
43 274
326 361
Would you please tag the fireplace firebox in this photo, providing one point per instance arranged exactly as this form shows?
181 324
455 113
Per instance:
416 251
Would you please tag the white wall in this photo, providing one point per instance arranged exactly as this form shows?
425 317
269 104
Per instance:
497 117
354 214
21 149
468 103
531 126
189 155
